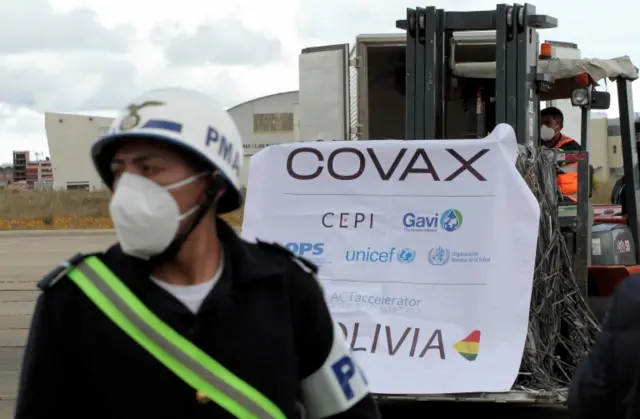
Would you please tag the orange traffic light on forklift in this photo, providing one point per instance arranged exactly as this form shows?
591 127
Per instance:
545 51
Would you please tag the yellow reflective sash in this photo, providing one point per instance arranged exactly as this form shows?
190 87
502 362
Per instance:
183 358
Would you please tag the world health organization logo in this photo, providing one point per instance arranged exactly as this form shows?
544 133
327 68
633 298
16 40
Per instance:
451 220
406 255
439 256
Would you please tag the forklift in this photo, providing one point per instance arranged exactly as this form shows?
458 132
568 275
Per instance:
522 78
504 83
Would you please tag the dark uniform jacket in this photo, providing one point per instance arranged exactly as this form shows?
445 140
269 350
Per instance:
603 386
266 321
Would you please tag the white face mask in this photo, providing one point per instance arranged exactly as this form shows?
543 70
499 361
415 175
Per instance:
145 215
546 133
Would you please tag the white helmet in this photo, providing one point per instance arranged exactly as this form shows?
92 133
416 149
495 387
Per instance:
190 120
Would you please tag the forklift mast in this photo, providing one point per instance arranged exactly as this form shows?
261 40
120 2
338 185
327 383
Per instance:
429 34
629 159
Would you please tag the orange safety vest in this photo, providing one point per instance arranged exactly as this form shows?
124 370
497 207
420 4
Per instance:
568 181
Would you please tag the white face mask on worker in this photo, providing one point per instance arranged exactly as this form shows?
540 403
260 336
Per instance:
546 133
145 215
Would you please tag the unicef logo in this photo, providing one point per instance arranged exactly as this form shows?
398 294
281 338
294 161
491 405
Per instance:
406 255
451 220
439 256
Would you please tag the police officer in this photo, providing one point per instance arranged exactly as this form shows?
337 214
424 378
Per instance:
181 318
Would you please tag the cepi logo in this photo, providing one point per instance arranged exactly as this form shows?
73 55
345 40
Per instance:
347 220
370 255
450 220
440 256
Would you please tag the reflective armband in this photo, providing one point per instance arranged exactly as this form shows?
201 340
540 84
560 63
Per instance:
337 385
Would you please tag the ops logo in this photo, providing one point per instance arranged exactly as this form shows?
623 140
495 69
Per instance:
306 248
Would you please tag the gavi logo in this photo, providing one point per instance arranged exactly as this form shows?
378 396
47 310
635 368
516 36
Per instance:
448 220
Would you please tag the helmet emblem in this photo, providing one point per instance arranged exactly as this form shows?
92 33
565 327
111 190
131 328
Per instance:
133 118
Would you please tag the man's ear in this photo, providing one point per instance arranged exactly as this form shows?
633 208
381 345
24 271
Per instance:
221 192
218 184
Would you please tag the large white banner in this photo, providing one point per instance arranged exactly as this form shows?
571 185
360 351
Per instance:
426 252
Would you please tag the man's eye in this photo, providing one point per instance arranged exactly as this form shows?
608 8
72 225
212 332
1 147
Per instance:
146 169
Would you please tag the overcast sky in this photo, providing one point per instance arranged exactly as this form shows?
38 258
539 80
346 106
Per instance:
91 56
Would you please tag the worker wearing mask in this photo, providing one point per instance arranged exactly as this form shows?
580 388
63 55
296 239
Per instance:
182 318
552 137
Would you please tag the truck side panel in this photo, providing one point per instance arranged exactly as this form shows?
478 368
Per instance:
324 93
381 74
354 120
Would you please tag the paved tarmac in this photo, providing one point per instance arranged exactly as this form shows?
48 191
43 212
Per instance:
25 257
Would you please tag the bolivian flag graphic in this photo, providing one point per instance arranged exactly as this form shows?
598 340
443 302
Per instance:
469 347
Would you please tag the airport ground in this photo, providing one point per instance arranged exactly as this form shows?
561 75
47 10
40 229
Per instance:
25 256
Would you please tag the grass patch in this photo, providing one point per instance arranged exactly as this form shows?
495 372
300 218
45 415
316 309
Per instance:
62 210
20 210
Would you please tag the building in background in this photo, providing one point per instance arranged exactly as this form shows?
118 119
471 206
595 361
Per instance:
605 154
44 178
70 137
31 174
6 175
262 122
20 161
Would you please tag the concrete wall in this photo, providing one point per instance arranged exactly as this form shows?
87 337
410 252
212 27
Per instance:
70 138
